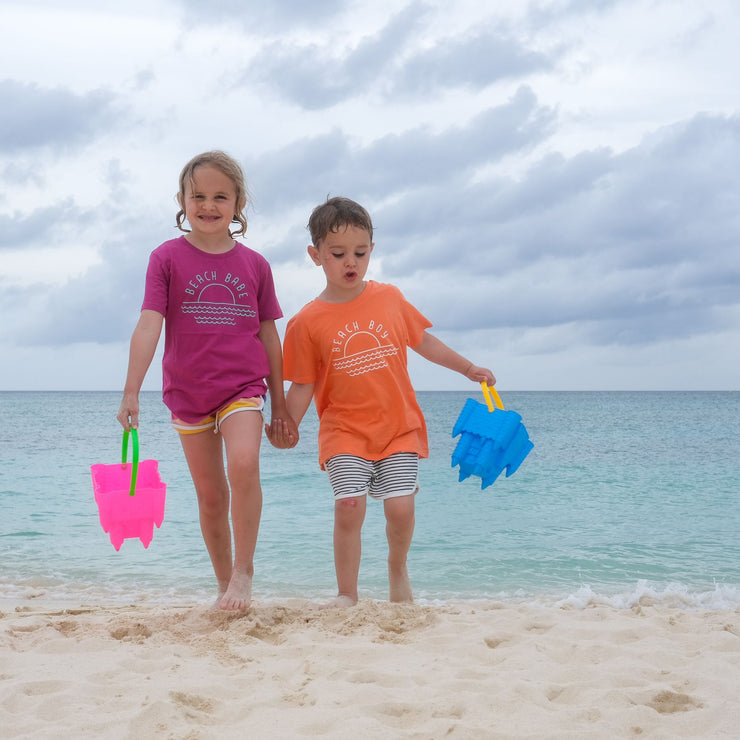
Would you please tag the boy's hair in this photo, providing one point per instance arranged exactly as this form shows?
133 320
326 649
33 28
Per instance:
335 214
229 167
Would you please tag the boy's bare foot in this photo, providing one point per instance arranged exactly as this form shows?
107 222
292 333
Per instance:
217 603
340 602
400 585
238 595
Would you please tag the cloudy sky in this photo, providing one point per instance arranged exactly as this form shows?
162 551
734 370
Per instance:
554 183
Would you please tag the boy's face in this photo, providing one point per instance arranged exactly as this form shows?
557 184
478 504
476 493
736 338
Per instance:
344 256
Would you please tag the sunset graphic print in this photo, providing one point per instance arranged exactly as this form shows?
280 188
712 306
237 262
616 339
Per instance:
217 302
363 350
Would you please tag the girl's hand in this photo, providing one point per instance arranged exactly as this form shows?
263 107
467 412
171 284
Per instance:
282 433
128 412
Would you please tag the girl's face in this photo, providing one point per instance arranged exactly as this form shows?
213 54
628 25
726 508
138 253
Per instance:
209 203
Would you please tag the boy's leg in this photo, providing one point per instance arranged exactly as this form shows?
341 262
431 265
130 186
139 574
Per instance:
349 514
242 433
400 519
204 455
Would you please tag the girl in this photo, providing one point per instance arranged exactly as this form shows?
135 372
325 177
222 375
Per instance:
217 299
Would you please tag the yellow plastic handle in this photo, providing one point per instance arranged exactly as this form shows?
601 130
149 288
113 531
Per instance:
488 391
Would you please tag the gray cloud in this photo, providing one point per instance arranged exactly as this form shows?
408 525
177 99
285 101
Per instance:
307 170
546 13
34 116
671 194
474 61
15 173
276 14
316 77
27 230
631 247
99 306
102 306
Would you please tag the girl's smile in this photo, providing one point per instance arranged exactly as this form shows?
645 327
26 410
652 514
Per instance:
210 207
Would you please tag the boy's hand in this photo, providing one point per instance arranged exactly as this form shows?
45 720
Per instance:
480 374
282 433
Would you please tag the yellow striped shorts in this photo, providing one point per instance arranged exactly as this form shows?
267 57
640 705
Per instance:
214 421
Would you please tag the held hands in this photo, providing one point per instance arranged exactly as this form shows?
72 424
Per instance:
282 433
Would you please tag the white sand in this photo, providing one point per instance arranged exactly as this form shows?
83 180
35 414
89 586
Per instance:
379 670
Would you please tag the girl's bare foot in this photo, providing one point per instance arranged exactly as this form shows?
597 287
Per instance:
340 602
238 595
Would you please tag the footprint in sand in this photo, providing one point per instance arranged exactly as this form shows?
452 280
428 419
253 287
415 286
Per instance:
136 632
668 702
193 701
494 642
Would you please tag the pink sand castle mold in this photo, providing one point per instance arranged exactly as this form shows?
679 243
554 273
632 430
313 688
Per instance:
130 496
491 440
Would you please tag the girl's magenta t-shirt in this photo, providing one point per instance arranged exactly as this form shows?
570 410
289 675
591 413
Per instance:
213 305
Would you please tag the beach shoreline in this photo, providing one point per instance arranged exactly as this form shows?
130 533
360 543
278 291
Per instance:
286 669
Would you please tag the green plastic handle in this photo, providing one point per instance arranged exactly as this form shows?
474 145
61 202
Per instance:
135 458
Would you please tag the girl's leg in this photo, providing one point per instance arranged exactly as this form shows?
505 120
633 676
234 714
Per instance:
204 455
349 514
242 433
399 517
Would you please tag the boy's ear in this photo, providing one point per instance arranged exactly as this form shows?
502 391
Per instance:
313 253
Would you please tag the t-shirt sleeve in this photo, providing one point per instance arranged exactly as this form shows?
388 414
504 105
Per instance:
267 302
416 322
299 356
156 287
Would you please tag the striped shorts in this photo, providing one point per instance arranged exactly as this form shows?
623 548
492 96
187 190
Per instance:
396 475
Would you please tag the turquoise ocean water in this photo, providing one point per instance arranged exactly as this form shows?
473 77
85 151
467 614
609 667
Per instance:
627 497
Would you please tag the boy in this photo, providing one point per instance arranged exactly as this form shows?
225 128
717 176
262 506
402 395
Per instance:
347 350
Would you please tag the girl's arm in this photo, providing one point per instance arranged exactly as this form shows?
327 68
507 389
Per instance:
435 350
143 346
279 415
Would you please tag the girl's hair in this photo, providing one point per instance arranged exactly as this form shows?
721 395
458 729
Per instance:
229 167
335 214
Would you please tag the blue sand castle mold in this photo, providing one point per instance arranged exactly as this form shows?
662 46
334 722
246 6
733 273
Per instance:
490 441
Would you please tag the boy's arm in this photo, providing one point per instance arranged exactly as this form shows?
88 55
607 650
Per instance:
298 400
279 414
143 346
435 350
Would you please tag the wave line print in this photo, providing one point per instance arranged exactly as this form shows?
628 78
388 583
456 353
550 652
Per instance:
366 360
217 312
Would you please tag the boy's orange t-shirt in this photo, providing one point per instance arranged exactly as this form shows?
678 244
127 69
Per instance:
355 354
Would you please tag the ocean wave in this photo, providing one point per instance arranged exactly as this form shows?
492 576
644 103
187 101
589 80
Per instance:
674 596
